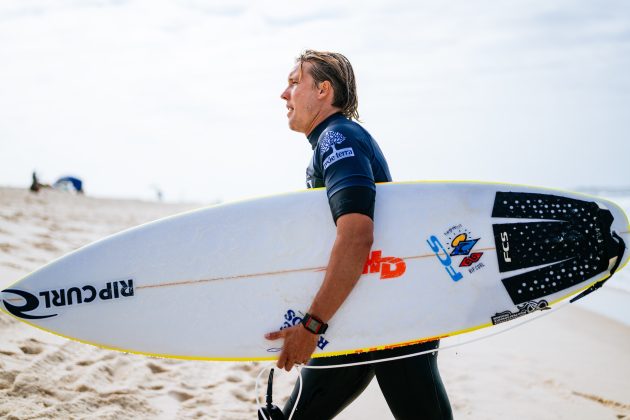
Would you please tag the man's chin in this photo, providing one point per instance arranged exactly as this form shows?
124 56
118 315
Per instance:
295 127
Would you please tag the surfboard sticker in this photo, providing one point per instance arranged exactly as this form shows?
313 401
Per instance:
521 310
456 251
45 303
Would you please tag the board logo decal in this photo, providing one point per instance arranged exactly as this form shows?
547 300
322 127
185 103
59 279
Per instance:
388 267
505 246
65 297
470 260
293 318
441 254
330 139
459 243
522 309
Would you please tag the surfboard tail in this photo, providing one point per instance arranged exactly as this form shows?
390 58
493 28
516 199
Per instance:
552 243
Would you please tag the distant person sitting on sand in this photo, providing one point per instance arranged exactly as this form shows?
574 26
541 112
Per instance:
68 183
36 185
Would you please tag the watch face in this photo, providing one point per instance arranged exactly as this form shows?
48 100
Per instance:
314 325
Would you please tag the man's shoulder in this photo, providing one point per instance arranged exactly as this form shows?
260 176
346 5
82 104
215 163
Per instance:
346 127
342 131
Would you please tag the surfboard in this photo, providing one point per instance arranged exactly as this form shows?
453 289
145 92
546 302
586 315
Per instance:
448 258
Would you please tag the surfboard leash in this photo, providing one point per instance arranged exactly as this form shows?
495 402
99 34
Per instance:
269 411
621 248
299 368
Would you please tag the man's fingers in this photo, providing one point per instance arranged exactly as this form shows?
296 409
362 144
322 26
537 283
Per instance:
275 335
281 360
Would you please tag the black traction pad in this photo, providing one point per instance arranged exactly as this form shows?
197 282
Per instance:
571 242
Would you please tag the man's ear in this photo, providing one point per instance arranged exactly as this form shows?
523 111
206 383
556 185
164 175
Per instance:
324 87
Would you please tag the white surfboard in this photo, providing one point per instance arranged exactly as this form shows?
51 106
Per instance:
447 258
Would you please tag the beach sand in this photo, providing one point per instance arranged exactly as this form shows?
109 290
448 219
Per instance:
572 364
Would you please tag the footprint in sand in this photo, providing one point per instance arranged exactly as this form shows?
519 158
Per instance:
85 388
6 247
233 379
15 217
155 368
14 266
46 246
246 367
241 395
31 347
180 395
7 379
605 402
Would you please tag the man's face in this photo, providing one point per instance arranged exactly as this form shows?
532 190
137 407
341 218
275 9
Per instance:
302 99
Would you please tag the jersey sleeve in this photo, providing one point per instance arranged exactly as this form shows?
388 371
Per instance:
344 160
352 200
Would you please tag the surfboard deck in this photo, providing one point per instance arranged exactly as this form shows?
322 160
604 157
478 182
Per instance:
448 258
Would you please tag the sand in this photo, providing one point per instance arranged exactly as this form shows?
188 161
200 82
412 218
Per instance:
572 364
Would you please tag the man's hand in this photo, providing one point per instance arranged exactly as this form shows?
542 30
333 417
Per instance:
298 347
355 234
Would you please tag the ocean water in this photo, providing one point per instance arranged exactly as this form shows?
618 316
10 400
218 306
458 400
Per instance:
613 299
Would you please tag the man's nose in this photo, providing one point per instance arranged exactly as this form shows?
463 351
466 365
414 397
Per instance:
285 94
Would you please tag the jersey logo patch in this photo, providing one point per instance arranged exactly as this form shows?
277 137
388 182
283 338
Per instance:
330 139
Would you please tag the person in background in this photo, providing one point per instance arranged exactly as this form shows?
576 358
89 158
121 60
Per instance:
35 185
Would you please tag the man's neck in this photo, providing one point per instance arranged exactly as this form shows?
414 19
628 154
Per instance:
313 136
321 116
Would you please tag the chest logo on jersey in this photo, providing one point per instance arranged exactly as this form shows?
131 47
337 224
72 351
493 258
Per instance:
330 140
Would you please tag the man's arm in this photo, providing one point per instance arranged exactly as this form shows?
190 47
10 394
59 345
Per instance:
355 233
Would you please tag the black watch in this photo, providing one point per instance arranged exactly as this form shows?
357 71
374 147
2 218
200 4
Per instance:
313 324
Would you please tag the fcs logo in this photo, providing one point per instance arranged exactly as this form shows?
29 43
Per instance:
505 244
389 267
441 254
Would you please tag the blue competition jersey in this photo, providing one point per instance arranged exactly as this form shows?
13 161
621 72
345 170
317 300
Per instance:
344 155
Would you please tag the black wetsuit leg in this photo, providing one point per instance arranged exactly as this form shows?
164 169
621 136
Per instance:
326 392
412 386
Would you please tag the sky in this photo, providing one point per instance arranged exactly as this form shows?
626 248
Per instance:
184 95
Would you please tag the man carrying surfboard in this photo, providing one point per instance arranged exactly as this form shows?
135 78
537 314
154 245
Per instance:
321 99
